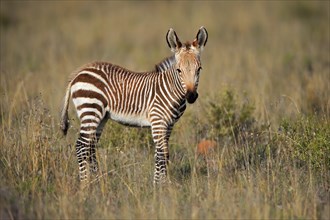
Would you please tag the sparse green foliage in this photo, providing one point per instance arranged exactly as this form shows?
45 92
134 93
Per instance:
227 117
308 138
309 141
119 136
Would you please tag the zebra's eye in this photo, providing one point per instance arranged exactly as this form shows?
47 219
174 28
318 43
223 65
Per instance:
179 71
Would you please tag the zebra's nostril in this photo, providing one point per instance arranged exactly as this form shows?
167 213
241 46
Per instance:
191 97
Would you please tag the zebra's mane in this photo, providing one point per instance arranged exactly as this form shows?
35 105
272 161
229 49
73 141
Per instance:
165 64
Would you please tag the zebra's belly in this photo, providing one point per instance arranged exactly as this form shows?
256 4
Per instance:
130 120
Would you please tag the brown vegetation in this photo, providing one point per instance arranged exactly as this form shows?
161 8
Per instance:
205 147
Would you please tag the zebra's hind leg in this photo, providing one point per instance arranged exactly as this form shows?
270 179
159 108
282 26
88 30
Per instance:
83 155
93 161
93 165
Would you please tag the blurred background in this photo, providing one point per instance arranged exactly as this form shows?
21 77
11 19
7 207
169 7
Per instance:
275 52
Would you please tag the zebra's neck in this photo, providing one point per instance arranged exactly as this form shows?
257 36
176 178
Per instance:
173 81
165 64
169 71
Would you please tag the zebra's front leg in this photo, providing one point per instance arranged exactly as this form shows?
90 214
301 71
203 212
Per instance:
161 137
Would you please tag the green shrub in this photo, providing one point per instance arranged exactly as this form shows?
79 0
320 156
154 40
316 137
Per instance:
303 141
227 117
309 140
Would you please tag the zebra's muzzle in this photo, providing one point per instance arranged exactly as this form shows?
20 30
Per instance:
191 97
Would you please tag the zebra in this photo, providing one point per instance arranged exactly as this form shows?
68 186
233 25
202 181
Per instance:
157 99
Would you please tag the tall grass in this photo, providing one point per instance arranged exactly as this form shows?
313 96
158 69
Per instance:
264 100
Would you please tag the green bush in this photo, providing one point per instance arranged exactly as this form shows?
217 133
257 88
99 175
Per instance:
227 117
309 140
304 140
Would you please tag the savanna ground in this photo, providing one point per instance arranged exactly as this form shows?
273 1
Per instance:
264 99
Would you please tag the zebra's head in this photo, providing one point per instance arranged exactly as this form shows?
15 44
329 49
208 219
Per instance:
188 63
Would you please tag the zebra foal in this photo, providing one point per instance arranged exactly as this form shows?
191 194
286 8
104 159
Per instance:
156 99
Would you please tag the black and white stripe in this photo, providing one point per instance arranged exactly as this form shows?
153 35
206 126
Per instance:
166 64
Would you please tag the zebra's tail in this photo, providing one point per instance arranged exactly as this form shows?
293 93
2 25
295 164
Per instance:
64 113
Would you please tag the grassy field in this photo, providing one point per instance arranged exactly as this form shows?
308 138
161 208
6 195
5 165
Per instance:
264 98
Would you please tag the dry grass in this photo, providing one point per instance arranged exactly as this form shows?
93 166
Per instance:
273 56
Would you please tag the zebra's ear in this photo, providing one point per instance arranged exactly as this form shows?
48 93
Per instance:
201 38
173 40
